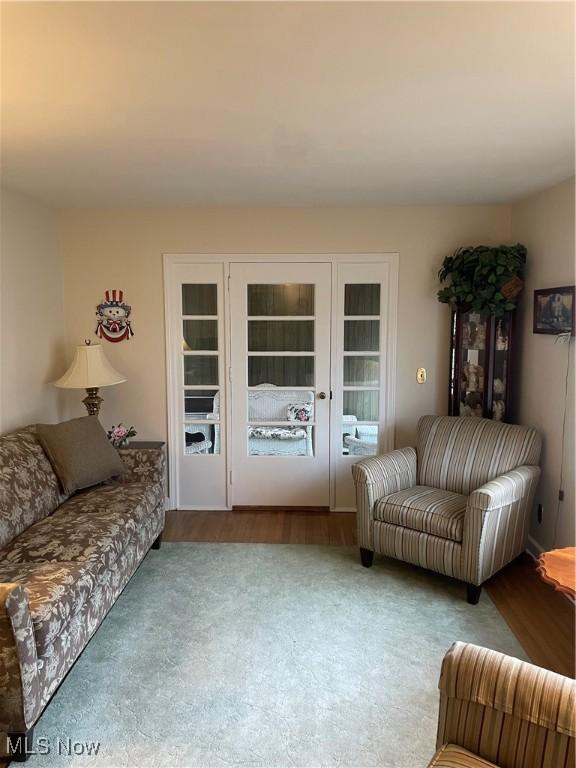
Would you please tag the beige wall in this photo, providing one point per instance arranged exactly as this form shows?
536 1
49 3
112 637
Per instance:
545 224
123 249
31 326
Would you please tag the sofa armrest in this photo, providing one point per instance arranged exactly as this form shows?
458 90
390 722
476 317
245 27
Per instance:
496 523
376 477
19 685
143 465
496 686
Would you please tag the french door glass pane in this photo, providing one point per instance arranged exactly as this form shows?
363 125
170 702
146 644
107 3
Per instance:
359 439
363 405
362 299
201 403
291 407
201 438
280 441
199 299
361 371
281 335
200 369
281 371
282 299
200 334
361 335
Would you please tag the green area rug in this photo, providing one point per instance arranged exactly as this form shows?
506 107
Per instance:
266 655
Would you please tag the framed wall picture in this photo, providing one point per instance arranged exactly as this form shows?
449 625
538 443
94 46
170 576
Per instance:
554 310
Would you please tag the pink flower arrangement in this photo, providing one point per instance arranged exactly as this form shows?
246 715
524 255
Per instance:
121 435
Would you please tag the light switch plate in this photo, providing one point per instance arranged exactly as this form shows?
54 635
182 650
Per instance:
421 375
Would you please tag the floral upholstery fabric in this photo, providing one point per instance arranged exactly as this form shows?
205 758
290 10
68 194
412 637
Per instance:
63 563
19 685
137 499
29 489
146 465
277 433
55 593
96 538
58 657
421 508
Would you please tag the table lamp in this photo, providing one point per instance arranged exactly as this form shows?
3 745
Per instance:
90 370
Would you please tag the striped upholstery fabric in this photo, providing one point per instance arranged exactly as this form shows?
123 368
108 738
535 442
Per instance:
471 522
432 552
453 756
425 509
376 477
506 711
461 454
496 523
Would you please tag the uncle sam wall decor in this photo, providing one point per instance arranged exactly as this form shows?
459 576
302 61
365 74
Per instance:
113 316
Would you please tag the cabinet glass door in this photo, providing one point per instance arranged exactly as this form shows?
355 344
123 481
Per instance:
473 363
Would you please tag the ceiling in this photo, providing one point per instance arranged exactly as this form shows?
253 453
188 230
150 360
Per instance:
286 104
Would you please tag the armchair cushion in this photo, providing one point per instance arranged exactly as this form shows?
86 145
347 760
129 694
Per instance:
453 756
425 509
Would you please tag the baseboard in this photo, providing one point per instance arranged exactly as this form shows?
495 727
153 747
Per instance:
533 548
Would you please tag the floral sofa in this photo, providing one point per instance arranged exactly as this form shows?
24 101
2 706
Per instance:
63 563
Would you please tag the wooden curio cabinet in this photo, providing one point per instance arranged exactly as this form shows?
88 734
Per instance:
481 365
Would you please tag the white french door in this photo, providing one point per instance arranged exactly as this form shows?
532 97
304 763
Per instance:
280 384
280 376
197 393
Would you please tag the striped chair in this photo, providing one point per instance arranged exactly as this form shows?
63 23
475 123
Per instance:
458 504
498 711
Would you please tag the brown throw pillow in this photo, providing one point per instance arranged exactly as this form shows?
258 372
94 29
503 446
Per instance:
80 452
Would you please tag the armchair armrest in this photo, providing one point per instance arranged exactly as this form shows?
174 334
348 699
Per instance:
19 686
376 477
496 523
506 489
388 473
500 690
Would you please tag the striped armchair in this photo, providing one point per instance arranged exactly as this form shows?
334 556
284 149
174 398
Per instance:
498 711
458 504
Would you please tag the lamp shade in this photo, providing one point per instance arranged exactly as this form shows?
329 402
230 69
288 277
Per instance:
89 369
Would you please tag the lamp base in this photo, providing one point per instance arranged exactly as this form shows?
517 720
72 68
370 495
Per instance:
92 401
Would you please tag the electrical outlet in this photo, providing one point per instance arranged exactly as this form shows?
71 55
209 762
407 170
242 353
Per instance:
539 513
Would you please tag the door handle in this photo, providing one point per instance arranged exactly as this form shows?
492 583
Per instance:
321 395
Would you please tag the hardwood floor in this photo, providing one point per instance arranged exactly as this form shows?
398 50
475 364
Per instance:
542 619
275 527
